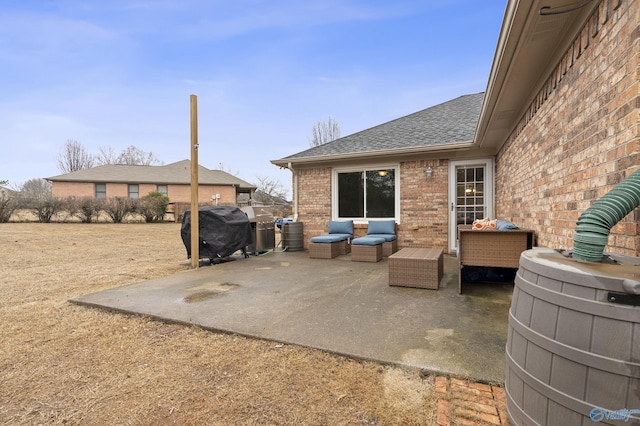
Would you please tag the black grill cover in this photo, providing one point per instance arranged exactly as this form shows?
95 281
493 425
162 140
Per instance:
222 231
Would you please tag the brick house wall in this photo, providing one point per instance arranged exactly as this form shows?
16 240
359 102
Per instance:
423 204
176 193
314 201
182 194
579 137
424 215
73 189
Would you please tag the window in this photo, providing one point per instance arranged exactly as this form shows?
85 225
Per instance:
162 189
366 194
470 202
101 190
134 191
470 194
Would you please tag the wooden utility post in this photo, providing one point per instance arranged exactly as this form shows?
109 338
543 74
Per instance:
195 226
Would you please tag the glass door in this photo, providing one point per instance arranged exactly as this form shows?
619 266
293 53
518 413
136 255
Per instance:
470 194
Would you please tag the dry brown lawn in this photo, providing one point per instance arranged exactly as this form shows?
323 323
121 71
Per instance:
61 363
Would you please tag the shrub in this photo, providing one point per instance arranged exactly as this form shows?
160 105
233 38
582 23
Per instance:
118 207
179 209
153 206
46 207
7 207
86 209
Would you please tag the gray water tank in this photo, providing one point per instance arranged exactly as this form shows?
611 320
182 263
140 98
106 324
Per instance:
573 350
292 236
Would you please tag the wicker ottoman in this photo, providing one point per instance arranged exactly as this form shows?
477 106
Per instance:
327 246
366 249
324 250
416 267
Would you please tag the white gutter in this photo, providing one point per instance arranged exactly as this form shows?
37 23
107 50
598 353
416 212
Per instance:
295 192
380 153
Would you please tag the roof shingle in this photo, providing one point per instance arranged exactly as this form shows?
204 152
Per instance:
448 123
174 173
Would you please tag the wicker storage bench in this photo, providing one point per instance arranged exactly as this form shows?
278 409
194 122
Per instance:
499 249
416 267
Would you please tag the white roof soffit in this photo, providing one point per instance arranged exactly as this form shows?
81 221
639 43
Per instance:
529 47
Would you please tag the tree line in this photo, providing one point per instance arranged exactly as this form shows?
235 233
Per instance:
35 194
74 156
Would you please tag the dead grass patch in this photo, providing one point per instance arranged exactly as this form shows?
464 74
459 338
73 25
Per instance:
62 363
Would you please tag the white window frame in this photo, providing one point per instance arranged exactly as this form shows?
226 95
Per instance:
363 168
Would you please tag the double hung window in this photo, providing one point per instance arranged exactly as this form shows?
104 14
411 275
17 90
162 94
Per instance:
134 191
162 189
101 190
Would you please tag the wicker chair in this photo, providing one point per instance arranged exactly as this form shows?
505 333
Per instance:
384 229
333 244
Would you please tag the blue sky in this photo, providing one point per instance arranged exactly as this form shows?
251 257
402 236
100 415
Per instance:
118 73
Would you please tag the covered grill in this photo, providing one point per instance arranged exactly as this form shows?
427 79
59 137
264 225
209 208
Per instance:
262 229
223 230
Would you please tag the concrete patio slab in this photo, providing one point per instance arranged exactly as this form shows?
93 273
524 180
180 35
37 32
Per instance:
335 305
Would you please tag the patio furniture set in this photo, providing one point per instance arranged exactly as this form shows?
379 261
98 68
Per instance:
409 267
422 267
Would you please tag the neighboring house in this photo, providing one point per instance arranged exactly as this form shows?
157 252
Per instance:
556 129
173 180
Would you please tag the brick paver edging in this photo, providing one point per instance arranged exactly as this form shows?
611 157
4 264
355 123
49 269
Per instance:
466 403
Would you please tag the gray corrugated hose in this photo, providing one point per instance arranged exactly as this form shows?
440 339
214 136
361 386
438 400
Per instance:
595 223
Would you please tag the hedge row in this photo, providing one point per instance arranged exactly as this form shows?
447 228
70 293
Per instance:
151 207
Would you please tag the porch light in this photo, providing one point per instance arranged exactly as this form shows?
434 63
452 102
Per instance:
429 172
382 173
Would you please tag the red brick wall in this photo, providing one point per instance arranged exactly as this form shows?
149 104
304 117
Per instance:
314 201
580 135
423 205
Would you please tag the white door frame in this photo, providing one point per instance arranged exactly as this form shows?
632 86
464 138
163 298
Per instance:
488 164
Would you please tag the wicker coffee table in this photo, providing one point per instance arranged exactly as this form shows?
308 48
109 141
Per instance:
416 267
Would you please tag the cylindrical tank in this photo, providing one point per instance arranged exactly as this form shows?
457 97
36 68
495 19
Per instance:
573 344
292 236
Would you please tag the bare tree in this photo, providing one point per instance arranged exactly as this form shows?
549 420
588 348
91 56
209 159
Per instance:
269 191
106 156
74 157
36 188
325 131
224 168
137 157
36 194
